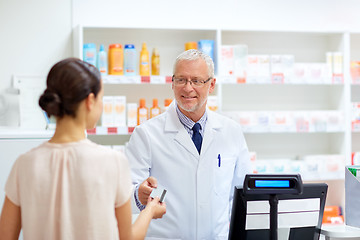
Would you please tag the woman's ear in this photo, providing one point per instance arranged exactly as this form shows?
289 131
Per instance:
90 101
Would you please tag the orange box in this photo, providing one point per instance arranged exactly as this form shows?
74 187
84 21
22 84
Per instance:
333 215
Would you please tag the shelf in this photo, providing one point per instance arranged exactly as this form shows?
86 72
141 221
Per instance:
110 131
19 133
306 93
323 176
121 79
311 82
169 41
305 46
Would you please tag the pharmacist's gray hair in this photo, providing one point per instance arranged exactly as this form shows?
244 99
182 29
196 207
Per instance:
193 54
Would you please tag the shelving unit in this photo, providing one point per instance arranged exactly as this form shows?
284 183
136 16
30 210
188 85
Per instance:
307 47
355 88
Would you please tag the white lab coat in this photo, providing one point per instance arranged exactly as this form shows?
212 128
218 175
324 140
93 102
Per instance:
199 190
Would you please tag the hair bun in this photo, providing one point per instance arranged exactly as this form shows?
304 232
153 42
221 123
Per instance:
50 102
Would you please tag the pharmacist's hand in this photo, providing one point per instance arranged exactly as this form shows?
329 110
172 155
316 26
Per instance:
157 208
145 189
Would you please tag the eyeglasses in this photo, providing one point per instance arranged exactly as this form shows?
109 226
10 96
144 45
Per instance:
193 82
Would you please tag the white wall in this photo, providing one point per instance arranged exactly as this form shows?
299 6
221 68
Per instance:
33 36
287 15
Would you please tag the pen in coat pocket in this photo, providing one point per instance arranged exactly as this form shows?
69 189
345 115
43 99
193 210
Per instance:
219 164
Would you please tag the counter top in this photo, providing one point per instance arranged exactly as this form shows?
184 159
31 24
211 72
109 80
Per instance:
340 231
16 133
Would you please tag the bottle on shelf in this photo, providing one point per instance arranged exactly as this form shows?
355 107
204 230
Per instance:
129 60
167 102
191 45
89 53
102 60
116 59
155 62
142 112
155 109
144 61
207 47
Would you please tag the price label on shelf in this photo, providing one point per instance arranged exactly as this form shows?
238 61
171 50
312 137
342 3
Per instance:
122 130
101 131
91 131
228 79
145 79
132 79
112 79
112 130
157 79
168 79
130 130
241 80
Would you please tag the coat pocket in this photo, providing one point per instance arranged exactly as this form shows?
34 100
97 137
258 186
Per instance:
223 175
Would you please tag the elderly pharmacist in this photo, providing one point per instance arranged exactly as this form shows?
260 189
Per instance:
199 168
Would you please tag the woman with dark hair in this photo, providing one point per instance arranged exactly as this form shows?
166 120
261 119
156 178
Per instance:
69 187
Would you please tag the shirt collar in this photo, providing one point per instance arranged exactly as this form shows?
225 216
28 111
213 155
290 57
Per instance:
187 122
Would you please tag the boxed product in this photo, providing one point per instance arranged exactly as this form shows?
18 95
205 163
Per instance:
311 73
318 121
212 103
301 120
333 215
107 118
240 62
296 166
338 63
226 66
299 74
335 62
233 61
280 122
355 72
114 114
263 122
258 69
262 166
247 120
355 117
281 67
132 114
120 111
335 121
317 73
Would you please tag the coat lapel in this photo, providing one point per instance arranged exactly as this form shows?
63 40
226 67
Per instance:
173 124
212 127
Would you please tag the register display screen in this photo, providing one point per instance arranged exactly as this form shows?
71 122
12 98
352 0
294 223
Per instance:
272 183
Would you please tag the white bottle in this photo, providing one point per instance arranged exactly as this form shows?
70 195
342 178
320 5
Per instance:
129 60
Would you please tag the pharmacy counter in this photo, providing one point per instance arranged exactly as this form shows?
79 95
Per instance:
340 232
13 143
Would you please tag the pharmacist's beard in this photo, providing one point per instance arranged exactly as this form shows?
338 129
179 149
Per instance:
193 108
